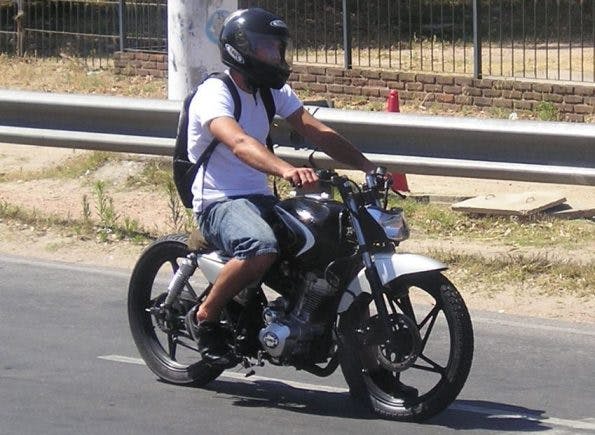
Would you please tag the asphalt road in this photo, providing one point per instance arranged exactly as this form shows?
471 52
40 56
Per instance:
68 365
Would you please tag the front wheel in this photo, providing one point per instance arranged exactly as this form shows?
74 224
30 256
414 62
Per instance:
419 370
161 336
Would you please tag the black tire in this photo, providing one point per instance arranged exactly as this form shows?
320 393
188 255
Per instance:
445 351
147 285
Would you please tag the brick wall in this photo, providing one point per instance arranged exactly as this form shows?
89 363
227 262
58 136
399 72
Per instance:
573 102
139 63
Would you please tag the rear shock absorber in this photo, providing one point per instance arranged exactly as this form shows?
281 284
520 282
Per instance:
187 267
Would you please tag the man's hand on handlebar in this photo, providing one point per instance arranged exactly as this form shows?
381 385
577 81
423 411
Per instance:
301 177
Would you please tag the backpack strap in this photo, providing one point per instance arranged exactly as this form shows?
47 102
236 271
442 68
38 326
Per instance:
237 111
269 105
237 104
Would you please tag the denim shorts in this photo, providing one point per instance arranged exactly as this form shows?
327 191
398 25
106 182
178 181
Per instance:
238 226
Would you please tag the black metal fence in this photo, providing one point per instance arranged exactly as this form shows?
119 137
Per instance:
92 29
60 28
550 39
9 21
540 39
144 25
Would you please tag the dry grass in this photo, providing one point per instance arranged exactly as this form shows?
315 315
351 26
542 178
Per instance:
72 76
552 276
535 231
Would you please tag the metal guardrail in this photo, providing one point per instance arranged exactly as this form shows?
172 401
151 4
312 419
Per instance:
551 152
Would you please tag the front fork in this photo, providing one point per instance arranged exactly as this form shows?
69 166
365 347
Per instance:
378 297
371 272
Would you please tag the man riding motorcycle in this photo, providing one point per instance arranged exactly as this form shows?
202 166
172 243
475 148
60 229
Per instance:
232 200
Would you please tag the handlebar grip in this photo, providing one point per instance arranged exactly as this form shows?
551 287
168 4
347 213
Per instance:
380 170
325 174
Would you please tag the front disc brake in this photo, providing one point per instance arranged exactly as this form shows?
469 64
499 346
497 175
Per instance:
398 351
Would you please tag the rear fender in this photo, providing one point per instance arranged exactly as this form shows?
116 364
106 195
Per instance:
390 266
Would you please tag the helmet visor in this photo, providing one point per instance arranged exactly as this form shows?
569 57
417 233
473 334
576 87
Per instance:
276 51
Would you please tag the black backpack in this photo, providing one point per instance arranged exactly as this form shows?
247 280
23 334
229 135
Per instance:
184 171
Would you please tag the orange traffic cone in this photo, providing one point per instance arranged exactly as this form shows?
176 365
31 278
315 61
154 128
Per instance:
399 179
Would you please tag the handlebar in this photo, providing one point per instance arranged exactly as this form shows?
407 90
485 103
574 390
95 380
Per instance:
374 180
375 187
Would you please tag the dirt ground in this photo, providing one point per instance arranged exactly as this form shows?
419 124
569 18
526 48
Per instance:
150 209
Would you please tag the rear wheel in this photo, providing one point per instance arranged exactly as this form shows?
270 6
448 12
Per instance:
161 336
422 367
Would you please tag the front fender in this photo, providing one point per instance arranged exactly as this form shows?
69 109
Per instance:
390 266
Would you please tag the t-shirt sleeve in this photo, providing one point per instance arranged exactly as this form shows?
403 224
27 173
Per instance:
220 103
286 101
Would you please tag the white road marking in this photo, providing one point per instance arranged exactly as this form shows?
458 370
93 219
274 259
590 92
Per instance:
587 424
123 359
294 384
238 376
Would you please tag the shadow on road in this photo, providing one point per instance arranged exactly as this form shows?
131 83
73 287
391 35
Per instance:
273 394
462 415
481 414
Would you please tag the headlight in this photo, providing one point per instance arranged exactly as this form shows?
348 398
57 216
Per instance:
392 222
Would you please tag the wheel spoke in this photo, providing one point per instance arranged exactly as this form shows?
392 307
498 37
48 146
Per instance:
172 345
190 290
174 264
433 367
405 305
187 346
432 316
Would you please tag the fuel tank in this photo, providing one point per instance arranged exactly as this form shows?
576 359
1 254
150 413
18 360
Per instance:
313 229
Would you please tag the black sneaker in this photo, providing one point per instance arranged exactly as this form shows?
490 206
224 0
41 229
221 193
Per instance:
211 339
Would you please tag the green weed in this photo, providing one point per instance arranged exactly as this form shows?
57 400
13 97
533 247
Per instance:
182 219
104 206
547 111
155 173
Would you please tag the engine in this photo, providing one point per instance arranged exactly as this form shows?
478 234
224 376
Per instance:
289 334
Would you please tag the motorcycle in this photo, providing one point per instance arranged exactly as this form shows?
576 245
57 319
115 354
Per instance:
338 295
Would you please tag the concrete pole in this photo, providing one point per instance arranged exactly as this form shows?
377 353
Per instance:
193 33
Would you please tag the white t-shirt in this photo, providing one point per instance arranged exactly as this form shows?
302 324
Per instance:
226 175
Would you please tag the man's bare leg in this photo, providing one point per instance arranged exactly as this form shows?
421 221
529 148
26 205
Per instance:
234 277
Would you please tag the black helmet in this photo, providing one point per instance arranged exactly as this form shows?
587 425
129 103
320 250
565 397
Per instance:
256 43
